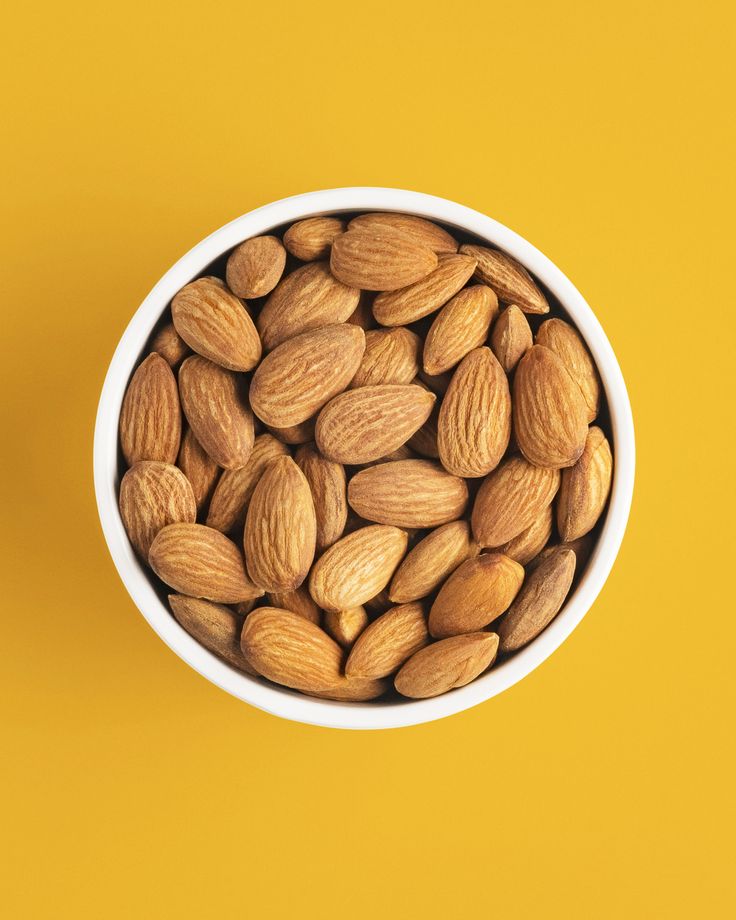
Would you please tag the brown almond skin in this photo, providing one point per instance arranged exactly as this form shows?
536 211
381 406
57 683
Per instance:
565 342
459 327
354 690
370 422
476 593
419 229
201 562
307 299
510 499
311 239
215 324
345 626
511 337
295 434
391 356
199 468
214 626
539 601
301 375
474 424
410 303
584 488
424 439
234 491
508 278
298 601
388 642
328 485
357 567
431 561
437 383
362 315
530 542
550 414
408 493
381 259
445 665
255 267
215 402
280 527
170 345
291 651
152 495
150 418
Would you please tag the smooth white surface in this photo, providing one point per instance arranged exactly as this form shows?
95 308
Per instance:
286 703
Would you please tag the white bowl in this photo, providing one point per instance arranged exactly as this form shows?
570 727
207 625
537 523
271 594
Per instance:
136 579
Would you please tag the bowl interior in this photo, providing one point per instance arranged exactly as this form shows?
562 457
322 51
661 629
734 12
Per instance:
209 257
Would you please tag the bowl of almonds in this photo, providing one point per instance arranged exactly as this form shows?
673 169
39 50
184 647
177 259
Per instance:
364 458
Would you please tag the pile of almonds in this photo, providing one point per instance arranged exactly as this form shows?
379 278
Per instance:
381 458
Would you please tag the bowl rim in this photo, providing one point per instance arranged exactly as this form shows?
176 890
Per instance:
290 704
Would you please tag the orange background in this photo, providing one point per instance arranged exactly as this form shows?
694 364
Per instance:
602 785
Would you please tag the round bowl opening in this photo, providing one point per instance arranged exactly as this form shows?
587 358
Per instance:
141 584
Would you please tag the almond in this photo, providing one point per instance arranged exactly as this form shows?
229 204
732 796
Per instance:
424 440
510 499
539 601
530 542
379 603
421 230
346 625
328 485
510 280
438 383
583 548
289 650
298 601
584 488
431 561
364 424
386 644
391 356
234 490
307 299
255 267
298 377
215 324
243 608
199 468
200 562
459 327
476 593
215 402
565 342
383 259
150 418
311 239
214 626
432 291
474 423
169 344
550 414
408 493
362 315
280 527
511 337
295 434
354 690
152 495
357 567
444 665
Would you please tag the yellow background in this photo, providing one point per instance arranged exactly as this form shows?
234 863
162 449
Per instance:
601 786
